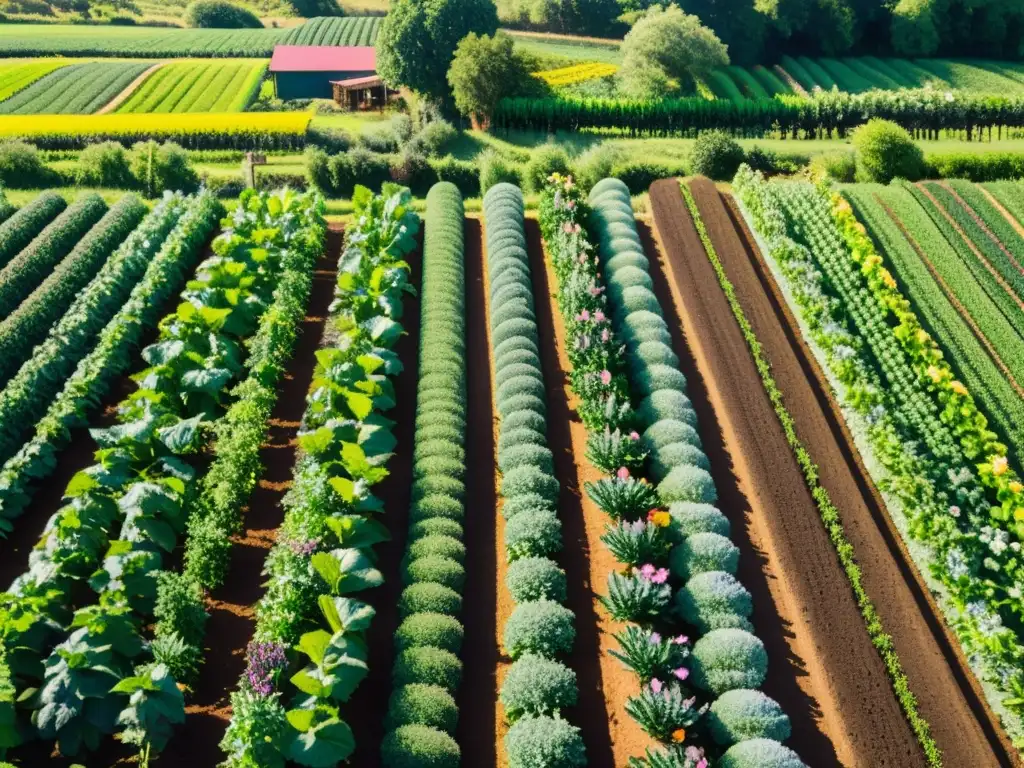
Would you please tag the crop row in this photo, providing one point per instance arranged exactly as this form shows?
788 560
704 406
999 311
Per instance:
324 550
21 227
948 472
976 199
74 89
197 86
992 367
537 686
1010 195
578 73
335 30
14 77
266 130
69 686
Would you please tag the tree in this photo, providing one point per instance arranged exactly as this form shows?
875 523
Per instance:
886 151
418 38
484 70
913 28
740 24
665 51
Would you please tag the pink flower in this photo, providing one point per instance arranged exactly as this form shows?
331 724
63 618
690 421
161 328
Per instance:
634 435
622 474
680 640
599 316
577 229
571 204
660 576
585 315
703 763
606 335
654 639
594 290
682 673
606 377
647 571
567 227
656 685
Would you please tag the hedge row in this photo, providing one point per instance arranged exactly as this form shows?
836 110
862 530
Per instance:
24 226
728 661
31 321
537 686
422 713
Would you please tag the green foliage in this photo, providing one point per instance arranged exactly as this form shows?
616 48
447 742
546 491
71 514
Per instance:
637 597
544 161
714 600
430 629
760 753
668 431
104 165
419 746
688 483
483 71
496 169
535 578
535 685
665 50
544 742
914 31
422 704
430 666
162 166
886 151
717 155
700 552
529 479
543 627
429 597
534 532
155 706
727 659
839 166
740 715
220 14
21 166
661 709
437 570
25 224
690 518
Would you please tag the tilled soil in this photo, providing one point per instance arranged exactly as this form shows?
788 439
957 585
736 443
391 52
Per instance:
860 712
948 696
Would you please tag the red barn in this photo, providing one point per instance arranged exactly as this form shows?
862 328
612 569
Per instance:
307 71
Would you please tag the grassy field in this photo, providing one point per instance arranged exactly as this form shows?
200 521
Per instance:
354 30
75 89
81 40
16 75
198 86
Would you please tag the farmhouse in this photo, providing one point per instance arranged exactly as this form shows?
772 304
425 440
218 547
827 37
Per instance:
345 73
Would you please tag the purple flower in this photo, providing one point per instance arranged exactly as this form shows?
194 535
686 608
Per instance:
654 639
264 660
680 639
304 547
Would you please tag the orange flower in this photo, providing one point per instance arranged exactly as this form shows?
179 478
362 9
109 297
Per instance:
934 373
957 387
1016 487
660 519
679 735
1000 465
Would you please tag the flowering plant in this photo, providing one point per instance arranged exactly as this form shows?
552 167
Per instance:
664 710
651 655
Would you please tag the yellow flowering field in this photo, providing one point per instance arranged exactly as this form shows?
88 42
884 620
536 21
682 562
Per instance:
577 73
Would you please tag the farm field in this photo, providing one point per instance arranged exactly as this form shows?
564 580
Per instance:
74 89
330 30
14 76
197 86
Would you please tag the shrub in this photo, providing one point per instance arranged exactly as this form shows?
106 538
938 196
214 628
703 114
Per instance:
621 260
495 169
157 167
439 448
544 742
104 165
429 597
655 352
886 151
520 435
544 161
437 570
534 533
760 753
535 578
318 168
703 552
597 163
668 431
517 357
527 502
218 14
359 166
419 746
443 546
727 659
524 420
513 327
435 526
512 370
745 714
436 505
638 175
21 167
710 598
434 137
462 173
438 485
840 166
520 385
515 343
526 455
431 666
975 166
430 629
529 480
687 483
421 704
667 404
691 518
663 460
522 403
717 155
655 377
543 627
535 685
444 466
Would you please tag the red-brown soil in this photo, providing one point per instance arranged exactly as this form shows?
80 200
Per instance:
949 698
860 713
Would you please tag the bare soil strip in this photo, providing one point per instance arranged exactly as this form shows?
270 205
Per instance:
483 609
610 735
860 712
981 223
938 677
798 89
950 296
122 97
232 621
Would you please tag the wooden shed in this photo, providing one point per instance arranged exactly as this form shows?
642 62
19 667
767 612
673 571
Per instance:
307 71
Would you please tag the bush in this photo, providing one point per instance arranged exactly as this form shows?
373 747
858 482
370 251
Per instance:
528 502
886 151
462 173
104 165
520 435
839 166
359 166
157 167
436 505
687 483
412 169
534 533
21 166
666 458
529 480
437 570
218 14
535 578
442 546
639 175
419 746
520 385
690 518
656 376
421 704
537 686
522 403
667 404
596 164
717 155
526 455
703 552
544 742
435 526
430 629
760 753
431 666
438 485
543 627
727 659
544 161
429 597
495 169
713 600
745 714
668 431
524 420
433 137
975 166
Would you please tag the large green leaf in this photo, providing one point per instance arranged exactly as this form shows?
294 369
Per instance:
182 437
323 745
346 570
344 614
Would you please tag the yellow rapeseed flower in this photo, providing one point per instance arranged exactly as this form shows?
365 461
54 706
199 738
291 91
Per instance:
957 387
999 465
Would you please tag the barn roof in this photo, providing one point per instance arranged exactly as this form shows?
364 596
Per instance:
360 82
323 58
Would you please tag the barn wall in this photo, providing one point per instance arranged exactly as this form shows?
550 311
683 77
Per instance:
311 85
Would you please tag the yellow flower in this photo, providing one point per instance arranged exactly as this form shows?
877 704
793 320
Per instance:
934 374
1018 514
957 387
661 519
922 336
888 279
999 465
1016 487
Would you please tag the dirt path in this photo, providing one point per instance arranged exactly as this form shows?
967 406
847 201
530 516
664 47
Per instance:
611 736
232 621
122 97
1010 219
937 676
861 715
483 611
